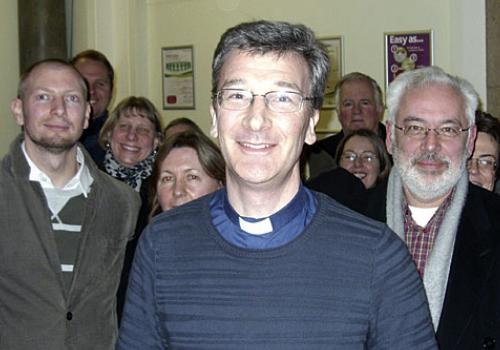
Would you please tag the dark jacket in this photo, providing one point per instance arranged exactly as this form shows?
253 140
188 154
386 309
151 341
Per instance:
36 311
470 318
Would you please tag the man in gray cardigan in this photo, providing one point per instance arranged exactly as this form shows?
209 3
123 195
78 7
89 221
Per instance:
64 223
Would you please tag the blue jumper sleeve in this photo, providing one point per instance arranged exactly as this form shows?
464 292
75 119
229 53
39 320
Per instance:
139 326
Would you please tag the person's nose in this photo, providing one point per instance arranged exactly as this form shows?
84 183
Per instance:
92 90
179 189
358 162
131 134
356 108
431 141
472 166
58 105
257 117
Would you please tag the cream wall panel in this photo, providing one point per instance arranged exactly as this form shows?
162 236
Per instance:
9 67
360 22
132 32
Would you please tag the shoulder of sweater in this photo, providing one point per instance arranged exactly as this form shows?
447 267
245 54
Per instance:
334 214
189 212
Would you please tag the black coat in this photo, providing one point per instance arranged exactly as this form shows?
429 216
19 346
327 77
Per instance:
470 318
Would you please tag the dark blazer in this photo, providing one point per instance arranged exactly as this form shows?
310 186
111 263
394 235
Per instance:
471 312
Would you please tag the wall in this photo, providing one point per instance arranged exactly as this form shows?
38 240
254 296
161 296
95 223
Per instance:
132 32
9 71
458 27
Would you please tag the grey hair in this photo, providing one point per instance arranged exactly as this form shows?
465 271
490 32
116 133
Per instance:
429 76
357 76
262 37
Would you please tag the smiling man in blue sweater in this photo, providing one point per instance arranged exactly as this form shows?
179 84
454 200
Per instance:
266 263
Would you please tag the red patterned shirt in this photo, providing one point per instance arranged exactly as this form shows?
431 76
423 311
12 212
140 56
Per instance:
420 240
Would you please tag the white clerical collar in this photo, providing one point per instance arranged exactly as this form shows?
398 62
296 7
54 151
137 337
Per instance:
260 227
82 179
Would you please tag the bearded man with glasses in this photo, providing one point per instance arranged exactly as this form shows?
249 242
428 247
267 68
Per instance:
266 263
451 228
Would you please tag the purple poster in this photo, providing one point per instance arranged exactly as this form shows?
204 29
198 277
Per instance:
406 51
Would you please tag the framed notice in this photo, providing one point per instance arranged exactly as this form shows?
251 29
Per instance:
406 51
178 77
335 51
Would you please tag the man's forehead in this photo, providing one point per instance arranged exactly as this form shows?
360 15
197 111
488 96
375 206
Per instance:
434 102
282 69
47 74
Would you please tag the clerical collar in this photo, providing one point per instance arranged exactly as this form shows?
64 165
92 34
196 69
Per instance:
272 223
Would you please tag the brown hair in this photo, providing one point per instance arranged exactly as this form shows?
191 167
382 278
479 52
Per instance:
208 153
377 143
98 57
132 103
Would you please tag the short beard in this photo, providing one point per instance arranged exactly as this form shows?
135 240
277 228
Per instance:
52 145
428 190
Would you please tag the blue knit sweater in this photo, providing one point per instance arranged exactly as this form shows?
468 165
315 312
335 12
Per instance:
345 283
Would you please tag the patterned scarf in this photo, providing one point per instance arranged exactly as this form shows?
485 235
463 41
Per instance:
132 176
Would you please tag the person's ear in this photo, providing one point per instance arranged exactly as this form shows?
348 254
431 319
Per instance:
311 132
16 106
388 138
213 130
471 141
88 110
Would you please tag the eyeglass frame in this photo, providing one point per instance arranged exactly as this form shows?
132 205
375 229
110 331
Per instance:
426 130
217 97
362 156
478 159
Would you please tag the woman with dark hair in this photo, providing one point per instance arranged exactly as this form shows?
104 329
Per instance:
364 155
181 124
189 165
483 164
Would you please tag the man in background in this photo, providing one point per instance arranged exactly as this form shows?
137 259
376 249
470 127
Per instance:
64 223
99 74
451 227
359 103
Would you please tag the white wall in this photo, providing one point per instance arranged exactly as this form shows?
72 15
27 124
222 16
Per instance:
132 32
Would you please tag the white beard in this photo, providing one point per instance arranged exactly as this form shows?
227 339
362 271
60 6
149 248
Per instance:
427 187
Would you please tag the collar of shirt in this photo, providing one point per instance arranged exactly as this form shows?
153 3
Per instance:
420 240
271 232
269 224
82 179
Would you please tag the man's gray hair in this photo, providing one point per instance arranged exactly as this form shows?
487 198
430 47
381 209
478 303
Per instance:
429 76
280 38
357 76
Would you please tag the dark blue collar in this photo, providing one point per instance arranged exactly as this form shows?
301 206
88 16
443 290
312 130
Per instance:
279 219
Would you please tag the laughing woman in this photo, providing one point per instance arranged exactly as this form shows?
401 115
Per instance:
131 137
363 154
